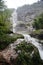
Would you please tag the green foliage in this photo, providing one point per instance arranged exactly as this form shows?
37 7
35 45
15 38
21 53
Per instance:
37 34
25 47
38 31
6 39
4 18
24 56
5 25
38 22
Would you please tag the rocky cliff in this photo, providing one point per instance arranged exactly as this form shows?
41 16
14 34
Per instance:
27 13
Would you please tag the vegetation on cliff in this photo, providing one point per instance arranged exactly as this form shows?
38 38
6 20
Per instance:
38 22
38 26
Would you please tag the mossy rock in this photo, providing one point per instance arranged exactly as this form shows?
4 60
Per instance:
37 34
28 55
15 35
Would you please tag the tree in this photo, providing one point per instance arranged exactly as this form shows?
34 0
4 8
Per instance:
2 6
5 24
38 22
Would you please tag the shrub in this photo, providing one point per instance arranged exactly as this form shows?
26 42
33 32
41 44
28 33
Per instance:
6 39
25 57
38 22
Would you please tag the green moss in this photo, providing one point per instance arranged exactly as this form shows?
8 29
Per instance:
25 57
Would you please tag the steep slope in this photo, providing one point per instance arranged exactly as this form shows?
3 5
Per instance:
28 12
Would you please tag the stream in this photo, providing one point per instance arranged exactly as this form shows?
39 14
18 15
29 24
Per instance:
34 41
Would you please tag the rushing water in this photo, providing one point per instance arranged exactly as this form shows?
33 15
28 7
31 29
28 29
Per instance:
27 37
34 41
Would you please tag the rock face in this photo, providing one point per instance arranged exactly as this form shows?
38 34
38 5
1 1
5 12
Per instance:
8 56
3 61
27 13
23 28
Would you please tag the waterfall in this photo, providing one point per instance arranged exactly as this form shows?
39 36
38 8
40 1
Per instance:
27 37
14 19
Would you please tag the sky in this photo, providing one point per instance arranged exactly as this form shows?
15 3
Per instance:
17 3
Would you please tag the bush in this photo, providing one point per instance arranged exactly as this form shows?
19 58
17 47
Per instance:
38 22
24 55
6 39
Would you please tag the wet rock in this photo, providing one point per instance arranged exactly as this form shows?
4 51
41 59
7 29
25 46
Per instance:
41 42
3 60
8 56
37 34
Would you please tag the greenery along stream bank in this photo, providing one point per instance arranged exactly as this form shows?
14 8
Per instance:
27 54
6 39
38 26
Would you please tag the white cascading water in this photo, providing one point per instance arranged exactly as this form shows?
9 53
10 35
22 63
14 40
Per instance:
27 37
14 19
34 41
